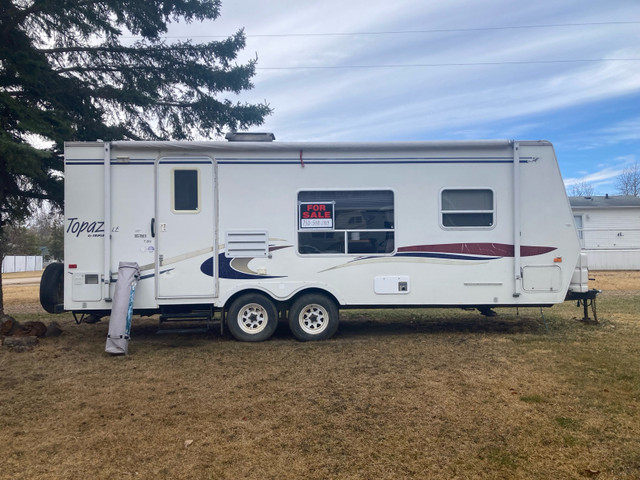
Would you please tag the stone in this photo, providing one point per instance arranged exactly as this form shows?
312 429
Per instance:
20 344
53 330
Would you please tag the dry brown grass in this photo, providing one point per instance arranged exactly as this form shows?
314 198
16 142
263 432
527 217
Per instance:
16 296
37 273
616 281
396 394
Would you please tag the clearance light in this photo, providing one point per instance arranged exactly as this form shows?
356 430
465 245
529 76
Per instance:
557 260
73 265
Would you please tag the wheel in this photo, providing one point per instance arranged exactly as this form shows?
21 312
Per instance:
252 318
52 287
313 317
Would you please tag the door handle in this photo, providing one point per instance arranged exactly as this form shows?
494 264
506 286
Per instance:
153 227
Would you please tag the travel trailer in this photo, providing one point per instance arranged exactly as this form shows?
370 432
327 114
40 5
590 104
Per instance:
256 230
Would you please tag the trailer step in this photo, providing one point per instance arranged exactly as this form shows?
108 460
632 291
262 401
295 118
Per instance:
184 317
199 317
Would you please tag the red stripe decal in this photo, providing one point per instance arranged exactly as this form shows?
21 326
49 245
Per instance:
488 249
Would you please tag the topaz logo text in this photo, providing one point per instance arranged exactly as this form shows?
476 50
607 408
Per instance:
77 227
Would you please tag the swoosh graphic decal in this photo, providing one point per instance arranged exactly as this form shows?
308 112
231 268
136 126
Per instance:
488 249
237 268
450 253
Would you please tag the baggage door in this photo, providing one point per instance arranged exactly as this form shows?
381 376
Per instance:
185 228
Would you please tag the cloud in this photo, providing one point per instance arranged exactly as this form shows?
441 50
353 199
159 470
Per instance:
604 175
495 100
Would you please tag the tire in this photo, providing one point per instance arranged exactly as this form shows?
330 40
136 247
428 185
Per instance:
252 318
52 287
313 317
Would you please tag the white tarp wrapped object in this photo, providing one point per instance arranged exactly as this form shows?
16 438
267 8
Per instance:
122 308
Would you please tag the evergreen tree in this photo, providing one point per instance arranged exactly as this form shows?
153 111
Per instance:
68 72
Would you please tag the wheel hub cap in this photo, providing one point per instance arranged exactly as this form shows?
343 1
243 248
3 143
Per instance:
313 319
252 318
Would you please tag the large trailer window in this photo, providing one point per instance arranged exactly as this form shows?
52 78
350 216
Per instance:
185 191
467 208
346 221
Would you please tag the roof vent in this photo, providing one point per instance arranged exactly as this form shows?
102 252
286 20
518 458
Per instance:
250 137
606 195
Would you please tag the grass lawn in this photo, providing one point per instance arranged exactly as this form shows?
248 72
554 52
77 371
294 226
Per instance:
395 394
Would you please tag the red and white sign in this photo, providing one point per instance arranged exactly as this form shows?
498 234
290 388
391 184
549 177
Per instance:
316 215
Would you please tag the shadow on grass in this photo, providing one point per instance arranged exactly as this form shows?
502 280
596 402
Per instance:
360 325
374 323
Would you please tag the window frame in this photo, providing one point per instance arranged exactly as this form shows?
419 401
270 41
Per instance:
493 211
344 232
198 192
580 229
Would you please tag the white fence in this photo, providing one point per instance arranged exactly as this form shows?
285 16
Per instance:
609 239
613 259
609 249
21 263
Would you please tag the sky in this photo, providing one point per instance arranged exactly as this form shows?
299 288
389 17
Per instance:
567 71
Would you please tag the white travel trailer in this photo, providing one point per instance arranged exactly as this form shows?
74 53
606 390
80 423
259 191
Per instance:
256 228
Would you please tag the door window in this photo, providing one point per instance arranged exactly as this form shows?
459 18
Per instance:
186 198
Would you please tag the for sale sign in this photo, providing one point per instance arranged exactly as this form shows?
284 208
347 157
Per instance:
315 215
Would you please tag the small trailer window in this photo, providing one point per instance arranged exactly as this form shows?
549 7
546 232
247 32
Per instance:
346 221
467 208
185 191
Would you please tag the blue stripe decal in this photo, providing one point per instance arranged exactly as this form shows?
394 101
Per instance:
391 161
115 164
314 161
84 163
330 162
306 162
135 161
448 256
377 158
175 162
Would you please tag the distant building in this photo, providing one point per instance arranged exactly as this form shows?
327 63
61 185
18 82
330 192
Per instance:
609 230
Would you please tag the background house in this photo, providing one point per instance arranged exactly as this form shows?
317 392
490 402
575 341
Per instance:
609 230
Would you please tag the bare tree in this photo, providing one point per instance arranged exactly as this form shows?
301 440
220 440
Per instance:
628 182
582 189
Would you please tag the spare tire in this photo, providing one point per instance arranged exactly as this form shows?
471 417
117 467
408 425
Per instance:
52 287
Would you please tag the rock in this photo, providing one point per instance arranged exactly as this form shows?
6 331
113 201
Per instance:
31 329
92 319
20 344
53 330
8 325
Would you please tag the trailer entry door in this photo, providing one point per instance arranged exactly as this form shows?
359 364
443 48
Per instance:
185 226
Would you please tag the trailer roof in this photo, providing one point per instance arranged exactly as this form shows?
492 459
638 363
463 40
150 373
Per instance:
224 146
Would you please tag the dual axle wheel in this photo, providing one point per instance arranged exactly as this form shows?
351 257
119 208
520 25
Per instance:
254 317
